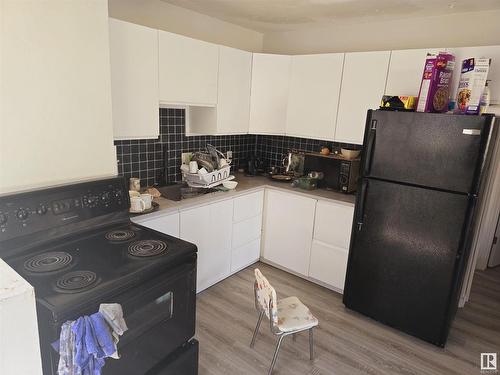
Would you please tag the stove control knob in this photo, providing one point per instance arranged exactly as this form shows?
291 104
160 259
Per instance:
3 218
42 209
22 214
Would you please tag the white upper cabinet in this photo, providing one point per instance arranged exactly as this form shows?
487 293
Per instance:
188 70
233 104
314 95
134 80
269 93
363 85
405 71
492 52
232 113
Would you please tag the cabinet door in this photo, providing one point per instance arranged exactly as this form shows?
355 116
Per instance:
333 222
269 94
405 71
314 95
233 104
288 230
492 52
328 264
194 227
134 80
363 84
188 70
168 224
219 240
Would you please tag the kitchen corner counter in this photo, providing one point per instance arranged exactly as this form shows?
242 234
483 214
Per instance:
246 185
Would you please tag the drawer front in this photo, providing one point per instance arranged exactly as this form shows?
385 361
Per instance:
328 264
165 224
248 206
246 231
245 255
333 224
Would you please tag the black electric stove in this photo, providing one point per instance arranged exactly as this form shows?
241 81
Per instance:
76 245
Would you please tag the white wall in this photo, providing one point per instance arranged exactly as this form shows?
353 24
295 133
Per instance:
161 15
55 93
456 30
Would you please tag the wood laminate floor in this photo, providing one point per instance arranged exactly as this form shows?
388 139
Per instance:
345 342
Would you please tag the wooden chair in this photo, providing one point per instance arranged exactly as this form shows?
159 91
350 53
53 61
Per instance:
287 316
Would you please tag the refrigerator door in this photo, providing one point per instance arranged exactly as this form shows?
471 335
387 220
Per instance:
435 150
405 255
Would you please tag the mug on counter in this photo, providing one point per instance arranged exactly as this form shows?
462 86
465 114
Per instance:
148 200
134 184
137 204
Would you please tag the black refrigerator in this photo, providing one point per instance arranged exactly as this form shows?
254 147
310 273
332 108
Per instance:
414 214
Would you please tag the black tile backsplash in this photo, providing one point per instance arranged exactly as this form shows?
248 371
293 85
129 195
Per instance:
153 159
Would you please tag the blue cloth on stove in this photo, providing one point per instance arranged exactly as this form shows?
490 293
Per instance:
94 342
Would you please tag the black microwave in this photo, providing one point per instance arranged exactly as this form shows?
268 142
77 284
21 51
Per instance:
340 174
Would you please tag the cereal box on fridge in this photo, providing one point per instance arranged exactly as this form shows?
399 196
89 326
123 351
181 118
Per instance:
434 94
473 77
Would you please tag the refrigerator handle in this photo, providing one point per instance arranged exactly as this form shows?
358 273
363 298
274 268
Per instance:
367 165
361 205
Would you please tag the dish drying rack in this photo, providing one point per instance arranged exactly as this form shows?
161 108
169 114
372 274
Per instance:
210 179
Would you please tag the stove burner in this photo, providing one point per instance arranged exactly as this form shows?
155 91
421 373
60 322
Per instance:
147 248
48 262
120 235
76 281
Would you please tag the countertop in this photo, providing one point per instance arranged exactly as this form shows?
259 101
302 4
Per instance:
246 185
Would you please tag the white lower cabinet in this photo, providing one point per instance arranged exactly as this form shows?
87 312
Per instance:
247 229
288 230
168 224
328 264
245 255
209 228
330 245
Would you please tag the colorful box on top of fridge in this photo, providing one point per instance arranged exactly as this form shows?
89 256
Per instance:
434 94
473 77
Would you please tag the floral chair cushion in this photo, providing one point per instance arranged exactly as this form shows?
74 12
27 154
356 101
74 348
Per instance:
293 315
265 297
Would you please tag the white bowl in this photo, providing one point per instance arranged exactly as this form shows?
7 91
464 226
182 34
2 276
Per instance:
350 154
230 184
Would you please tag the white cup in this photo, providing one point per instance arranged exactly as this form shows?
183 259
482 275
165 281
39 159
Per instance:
147 199
193 167
137 204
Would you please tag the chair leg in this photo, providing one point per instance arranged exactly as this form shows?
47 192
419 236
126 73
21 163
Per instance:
275 356
311 349
261 315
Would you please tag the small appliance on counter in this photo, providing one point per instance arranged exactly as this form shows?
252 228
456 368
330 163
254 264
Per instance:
254 166
339 172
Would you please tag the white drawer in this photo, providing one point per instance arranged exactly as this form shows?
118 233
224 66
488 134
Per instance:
246 231
248 206
245 255
333 223
328 264
168 224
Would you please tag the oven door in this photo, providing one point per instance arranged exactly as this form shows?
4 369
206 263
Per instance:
160 316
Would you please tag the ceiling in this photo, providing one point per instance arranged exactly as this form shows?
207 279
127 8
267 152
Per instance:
285 15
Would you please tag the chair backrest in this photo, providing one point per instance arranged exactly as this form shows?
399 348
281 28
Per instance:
265 297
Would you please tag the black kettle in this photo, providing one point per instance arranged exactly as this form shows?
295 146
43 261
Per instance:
254 166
